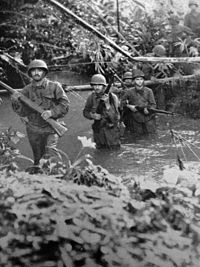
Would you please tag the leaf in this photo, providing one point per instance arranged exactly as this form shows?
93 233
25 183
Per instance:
19 134
62 230
21 252
89 237
86 142
15 139
66 258
24 157
137 205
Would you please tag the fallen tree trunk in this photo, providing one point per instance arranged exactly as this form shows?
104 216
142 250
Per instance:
87 87
169 59
9 59
148 82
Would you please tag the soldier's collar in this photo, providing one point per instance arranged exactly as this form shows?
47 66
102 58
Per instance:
41 85
140 91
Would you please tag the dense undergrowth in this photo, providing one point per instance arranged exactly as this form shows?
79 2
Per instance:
84 216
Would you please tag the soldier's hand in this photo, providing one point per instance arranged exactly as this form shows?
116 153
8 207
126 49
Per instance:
95 116
132 108
46 114
146 112
15 96
105 98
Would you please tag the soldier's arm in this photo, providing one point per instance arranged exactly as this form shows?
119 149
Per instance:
187 21
87 111
125 99
62 103
152 102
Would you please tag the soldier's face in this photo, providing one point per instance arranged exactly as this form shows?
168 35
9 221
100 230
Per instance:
128 82
37 74
98 88
193 7
139 82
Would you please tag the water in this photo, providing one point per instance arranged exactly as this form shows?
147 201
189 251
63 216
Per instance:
144 157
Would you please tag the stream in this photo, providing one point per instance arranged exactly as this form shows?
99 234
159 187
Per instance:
141 157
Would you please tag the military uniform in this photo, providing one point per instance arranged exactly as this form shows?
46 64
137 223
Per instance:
49 96
105 131
138 122
192 19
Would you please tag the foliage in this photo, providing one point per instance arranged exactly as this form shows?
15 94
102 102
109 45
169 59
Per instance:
89 217
43 31
189 99
35 29
47 221
8 152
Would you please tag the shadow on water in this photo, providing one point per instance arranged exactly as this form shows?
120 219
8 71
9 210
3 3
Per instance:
149 156
141 157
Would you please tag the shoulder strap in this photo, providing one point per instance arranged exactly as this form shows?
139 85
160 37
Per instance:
113 101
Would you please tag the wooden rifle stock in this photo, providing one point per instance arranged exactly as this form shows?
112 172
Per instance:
59 128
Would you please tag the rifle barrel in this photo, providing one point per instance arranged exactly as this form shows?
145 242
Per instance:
154 110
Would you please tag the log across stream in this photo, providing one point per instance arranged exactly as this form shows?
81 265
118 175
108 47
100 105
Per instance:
142 157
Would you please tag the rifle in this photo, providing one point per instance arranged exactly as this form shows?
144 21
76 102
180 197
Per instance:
118 78
106 119
101 102
60 129
154 110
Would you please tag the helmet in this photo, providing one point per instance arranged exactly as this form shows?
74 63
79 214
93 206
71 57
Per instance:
37 63
159 50
127 75
174 17
193 2
138 73
98 79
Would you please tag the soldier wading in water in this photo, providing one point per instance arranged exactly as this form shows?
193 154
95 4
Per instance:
51 97
103 109
136 101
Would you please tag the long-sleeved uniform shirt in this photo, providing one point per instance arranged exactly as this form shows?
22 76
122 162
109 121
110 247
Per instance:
193 22
142 98
49 96
93 102
105 131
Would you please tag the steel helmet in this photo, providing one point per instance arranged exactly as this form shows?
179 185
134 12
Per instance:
159 50
193 2
174 17
98 79
127 75
138 73
37 63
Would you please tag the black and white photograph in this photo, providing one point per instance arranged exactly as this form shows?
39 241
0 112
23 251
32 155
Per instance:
100 133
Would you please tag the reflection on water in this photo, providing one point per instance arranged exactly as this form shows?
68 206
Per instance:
137 157
148 156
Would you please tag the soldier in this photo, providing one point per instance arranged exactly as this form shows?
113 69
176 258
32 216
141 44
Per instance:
127 82
149 68
52 98
192 19
136 101
103 109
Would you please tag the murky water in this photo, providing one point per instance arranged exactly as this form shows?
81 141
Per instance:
145 157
